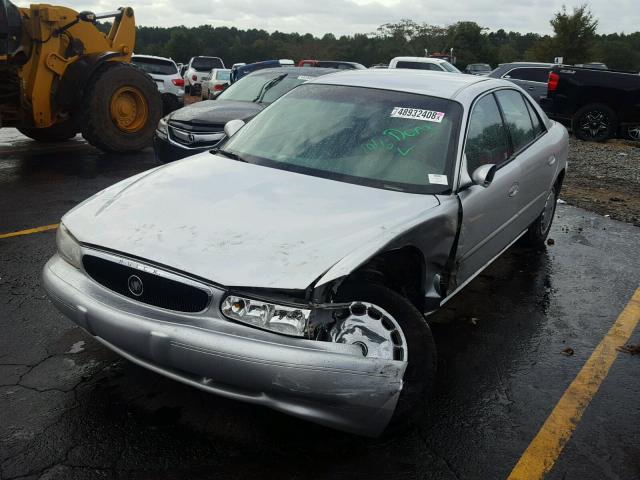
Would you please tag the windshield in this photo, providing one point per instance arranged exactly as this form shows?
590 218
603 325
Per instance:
262 87
449 68
480 67
387 139
205 64
155 66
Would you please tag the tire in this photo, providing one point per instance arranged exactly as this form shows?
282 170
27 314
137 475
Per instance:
595 122
419 376
170 103
632 132
117 88
539 230
55 133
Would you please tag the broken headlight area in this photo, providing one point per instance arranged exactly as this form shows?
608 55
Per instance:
269 316
369 328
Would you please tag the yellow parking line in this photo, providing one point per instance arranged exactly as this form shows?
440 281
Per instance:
30 231
543 451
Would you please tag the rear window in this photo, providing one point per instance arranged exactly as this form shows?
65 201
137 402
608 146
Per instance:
223 75
204 64
155 66
418 66
529 73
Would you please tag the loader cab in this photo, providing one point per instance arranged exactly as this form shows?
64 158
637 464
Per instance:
10 31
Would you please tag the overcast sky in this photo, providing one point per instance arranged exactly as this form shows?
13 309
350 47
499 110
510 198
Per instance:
342 17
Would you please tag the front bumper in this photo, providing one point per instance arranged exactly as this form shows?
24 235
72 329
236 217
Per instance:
327 383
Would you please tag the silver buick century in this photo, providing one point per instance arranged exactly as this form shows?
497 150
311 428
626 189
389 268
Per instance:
295 265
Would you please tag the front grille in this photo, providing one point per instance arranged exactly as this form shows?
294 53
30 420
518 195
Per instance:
154 289
195 138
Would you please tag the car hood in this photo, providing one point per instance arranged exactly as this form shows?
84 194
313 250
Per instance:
243 225
215 112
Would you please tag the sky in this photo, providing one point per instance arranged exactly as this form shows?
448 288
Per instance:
345 17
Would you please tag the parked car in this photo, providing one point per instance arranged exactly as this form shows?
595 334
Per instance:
215 82
338 64
529 76
242 70
423 63
292 266
478 69
199 67
166 75
598 104
200 126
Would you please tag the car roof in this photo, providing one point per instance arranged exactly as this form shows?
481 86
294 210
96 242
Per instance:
425 82
306 71
526 64
155 57
418 59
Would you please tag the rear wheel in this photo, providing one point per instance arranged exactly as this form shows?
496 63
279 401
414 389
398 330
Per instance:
539 230
55 133
595 122
122 108
400 332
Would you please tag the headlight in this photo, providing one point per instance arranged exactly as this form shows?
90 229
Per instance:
277 318
163 129
68 247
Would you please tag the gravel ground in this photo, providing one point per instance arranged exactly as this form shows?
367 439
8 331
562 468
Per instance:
604 178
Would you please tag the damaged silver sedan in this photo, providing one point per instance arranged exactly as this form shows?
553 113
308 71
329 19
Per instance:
294 266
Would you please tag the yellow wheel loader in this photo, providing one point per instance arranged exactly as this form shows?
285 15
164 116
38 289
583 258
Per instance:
60 75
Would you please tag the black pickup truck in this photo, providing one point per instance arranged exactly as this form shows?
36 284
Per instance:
597 104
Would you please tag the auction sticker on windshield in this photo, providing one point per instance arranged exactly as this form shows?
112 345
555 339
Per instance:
438 179
418 114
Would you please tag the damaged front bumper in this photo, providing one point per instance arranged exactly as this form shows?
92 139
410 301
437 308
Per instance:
328 383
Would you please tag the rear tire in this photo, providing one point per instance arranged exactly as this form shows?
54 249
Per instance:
55 133
539 230
632 132
122 108
595 123
419 376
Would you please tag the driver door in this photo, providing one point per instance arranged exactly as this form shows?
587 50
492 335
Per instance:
489 213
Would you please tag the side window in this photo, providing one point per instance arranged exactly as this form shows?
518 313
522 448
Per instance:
487 140
530 74
516 116
538 126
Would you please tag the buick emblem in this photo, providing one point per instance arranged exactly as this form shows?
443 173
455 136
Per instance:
135 285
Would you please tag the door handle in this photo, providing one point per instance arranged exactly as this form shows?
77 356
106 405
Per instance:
551 160
514 189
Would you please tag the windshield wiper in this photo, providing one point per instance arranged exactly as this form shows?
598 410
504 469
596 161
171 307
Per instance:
228 154
265 88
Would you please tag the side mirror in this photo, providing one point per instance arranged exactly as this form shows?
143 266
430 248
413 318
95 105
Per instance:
483 175
232 127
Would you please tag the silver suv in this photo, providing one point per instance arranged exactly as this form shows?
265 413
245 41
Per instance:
166 75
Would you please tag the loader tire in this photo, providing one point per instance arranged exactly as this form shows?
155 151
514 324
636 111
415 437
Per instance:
55 133
121 109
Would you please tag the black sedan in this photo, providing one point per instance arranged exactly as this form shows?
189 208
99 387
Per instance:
200 126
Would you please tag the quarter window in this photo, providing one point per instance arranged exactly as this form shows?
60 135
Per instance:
516 116
538 127
487 140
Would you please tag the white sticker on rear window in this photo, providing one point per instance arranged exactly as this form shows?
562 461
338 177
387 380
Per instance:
418 114
438 179
304 77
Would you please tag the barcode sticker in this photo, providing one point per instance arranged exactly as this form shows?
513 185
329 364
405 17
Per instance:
417 114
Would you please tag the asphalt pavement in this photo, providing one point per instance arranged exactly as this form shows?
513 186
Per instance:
509 347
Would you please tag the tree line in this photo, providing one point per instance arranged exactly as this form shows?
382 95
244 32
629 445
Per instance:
574 38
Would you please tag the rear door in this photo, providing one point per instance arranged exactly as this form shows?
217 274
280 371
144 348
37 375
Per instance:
488 213
535 157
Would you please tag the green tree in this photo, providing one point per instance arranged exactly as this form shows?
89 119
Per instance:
575 34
